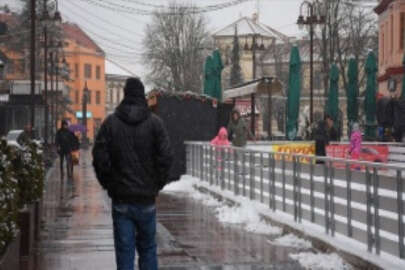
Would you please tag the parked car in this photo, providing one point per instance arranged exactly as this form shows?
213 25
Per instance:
13 137
370 154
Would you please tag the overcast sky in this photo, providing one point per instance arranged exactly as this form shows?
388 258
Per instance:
120 34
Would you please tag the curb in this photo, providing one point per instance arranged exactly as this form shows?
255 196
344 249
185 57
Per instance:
319 244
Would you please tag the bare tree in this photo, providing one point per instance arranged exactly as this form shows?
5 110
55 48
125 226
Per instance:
174 45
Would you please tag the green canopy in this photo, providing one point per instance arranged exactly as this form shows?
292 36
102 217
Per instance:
352 93
370 105
294 90
209 76
403 81
217 67
332 105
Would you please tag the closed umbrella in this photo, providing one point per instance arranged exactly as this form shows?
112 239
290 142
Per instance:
352 93
332 105
217 76
294 91
208 76
370 102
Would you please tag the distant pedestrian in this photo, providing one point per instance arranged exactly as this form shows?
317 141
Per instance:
132 158
222 138
321 136
26 136
66 142
332 131
355 142
238 130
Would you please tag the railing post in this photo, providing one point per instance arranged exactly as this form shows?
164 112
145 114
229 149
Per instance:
211 164
400 214
202 162
311 194
192 160
222 168
376 212
295 184
332 197
235 172
273 179
261 177
283 182
243 174
228 154
252 185
349 200
299 194
370 238
326 196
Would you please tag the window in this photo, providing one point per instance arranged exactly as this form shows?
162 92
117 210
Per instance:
98 97
77 70
77 99
87 71
402 31
89 97
98 71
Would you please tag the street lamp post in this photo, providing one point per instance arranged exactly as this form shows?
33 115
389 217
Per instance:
84 114
45 21
315 16
32 59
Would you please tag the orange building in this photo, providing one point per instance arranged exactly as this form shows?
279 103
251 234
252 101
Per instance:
391 45
86 61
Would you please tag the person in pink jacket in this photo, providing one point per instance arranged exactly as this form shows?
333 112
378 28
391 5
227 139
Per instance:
221 139
355 142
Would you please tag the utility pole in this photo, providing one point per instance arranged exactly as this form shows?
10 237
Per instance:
32 58
84 115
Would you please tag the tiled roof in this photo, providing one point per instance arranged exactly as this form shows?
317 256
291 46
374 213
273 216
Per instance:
74 32
382 6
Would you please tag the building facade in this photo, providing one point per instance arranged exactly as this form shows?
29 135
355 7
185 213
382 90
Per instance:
115 91
86 61
391 23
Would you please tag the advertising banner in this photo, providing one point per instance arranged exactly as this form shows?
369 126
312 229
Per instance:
294 148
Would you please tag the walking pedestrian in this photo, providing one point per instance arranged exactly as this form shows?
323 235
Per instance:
132 159
238 131
66 142
222 138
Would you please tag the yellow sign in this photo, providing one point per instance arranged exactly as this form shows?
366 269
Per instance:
294 148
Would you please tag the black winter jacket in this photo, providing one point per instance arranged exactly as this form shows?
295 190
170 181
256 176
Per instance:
131 154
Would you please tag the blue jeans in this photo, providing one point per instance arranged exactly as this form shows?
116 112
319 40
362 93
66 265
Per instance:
135 227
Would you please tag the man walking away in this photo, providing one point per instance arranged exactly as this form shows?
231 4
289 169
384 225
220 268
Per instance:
132 159
66 142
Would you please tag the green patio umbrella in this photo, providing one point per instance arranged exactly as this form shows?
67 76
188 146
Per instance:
403 80
294 91
217 77
370 103
209 76
332 105
352 93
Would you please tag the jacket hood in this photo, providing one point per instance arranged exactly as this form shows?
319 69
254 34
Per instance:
133 110
223 132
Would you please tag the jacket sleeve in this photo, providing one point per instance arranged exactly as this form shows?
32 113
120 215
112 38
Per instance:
164 154
102 157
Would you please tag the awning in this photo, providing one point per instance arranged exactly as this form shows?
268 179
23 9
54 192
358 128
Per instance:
260 86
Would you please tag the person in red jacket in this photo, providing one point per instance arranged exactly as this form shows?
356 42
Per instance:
222 138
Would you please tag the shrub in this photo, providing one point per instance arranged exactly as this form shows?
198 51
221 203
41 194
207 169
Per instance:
8 196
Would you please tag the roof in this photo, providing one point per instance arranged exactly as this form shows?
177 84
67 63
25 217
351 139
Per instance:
74 32
247 26
113 69
382 6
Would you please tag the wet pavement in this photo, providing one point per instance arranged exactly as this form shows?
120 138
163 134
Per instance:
77 232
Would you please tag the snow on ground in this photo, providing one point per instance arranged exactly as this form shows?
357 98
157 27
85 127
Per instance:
320 261
291 240
246 214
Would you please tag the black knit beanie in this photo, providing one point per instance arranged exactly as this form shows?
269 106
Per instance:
134 88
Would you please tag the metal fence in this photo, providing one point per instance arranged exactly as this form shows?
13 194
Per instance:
346 197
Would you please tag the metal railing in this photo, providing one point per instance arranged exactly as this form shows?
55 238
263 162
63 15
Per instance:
347 197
